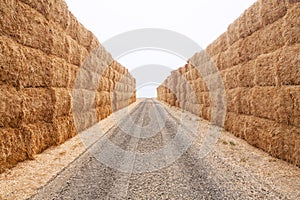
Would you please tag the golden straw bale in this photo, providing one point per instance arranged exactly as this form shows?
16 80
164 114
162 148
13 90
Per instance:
270 103
269 136
37 105
253 19
244 101
235 124
293 104
233 32
271 37
272 10
85 120
266 70
291 3
62 101
288 65
38 137
83 100
12 148
59 43
12 61
246 74
59 13
291 150
76 53
17 23
10 109
218 46
73 71
64 128
86 80
233 99
42 7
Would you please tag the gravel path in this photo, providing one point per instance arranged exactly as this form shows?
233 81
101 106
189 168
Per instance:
151 171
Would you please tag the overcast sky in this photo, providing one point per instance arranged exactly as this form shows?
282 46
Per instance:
200 20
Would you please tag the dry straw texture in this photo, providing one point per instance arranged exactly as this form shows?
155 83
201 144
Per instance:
258 61
48 57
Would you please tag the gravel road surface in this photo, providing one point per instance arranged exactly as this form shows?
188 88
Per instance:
153 154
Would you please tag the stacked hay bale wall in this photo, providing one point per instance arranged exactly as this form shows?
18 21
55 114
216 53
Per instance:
42 49
259 62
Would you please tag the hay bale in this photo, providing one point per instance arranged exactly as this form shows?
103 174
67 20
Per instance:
246 74
263 41
248 49
41 70
62 101
204 98
291 3
10 109
17 22
59 73
103 55
292 105
104 111
107 72
37 69
38 137
291 26
84 120
76 53
214 82
84 36
59 43
94 44
64 128
231 57
206 111
235 124
229 121
94 64
73 71
83 100
270 103
244 101
263 133
253 19
197 60
242 26
59 13
37 105
266 70
233 100
72 29
233 32
12 61
291 145
218 46
102 98
230 77
112 85
203 86
86 80
117 77
272 10
42 7
207 68
271 37
12 148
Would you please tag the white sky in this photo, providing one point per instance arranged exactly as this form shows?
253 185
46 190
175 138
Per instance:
200 20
